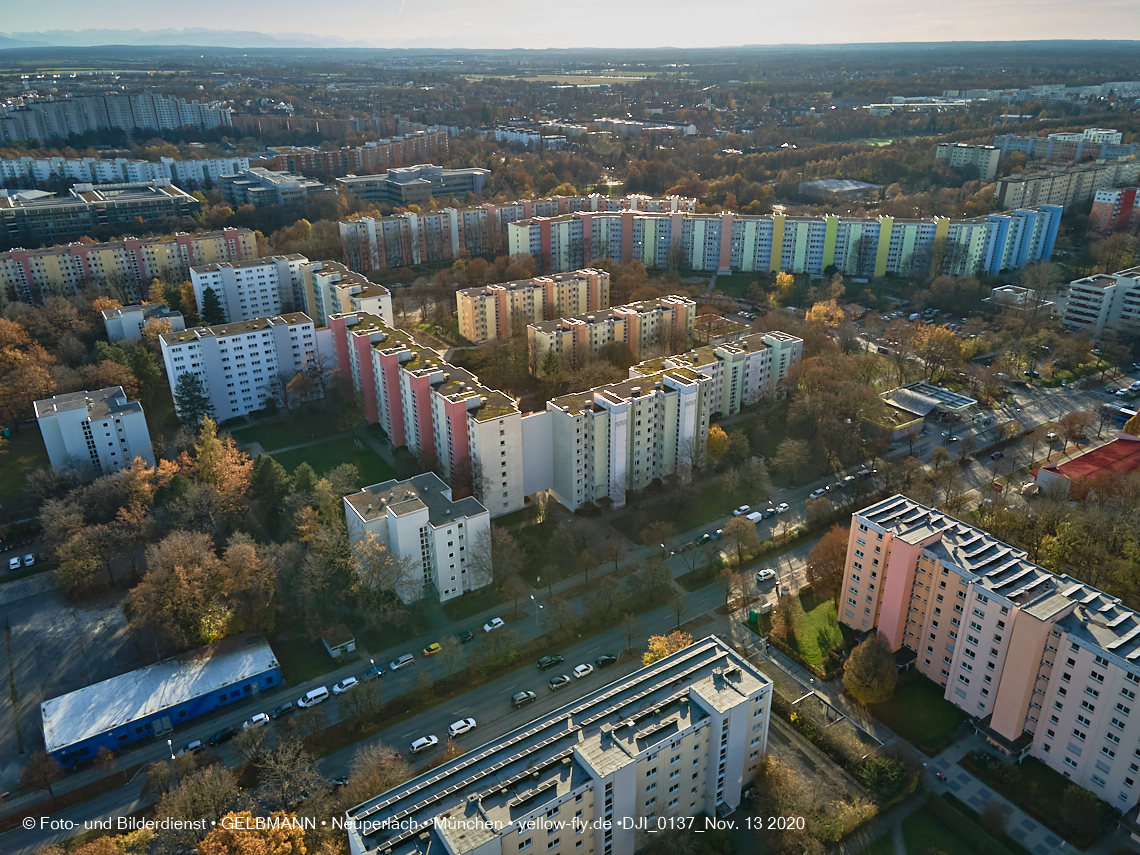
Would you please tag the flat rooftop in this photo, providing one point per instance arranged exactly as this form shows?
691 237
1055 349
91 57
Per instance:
413 494
237 328
248 263
101 707
99 404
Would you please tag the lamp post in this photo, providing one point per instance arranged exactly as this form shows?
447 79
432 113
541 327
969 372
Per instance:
170 747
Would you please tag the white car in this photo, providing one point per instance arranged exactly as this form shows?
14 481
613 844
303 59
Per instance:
424 743
495 623
765 575
344 685
815 494
783 508
13 563
259 720
583 671
741 511
29 560
464 725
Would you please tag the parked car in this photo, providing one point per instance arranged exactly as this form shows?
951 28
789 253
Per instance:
424 743
284 709
522 698
741 511
223 735
783 508
997 455
345 685
373 672
465 636
815 494
495 623
716 534
548 662
195 747
29 560
432 649
14 563
846 480
605 660
558 682
259 720
703 539
340 781
769 512
584 670
402 662
313 697
464 725
754 517
765 575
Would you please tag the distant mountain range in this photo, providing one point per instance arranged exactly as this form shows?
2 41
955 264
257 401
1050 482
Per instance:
196 36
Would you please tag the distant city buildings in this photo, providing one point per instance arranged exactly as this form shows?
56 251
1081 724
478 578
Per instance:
498 311
100 429
531 139
838 190
127 323
980 160
416 145
1091 143
27 172
259 187
1104 301
431 534
39 218
1116 210
415 185
130 263
1065 187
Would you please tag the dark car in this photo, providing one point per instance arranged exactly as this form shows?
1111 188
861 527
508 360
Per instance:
372 673
465 636
340 781
284 709
548 662
605 660
769 512
223 735
522 698
997 455
558 682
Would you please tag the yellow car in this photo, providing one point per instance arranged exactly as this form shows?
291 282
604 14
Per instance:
431 650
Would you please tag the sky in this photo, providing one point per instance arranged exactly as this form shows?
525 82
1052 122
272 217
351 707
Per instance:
600 23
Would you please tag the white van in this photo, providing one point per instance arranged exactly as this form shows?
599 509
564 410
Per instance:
316 696
755 517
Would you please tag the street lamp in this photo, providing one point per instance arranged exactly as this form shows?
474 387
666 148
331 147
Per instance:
170 747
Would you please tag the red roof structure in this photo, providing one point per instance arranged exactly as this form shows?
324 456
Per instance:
1122 455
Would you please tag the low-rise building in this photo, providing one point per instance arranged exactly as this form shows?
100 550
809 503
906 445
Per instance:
500 310
1104 301
254 288
671 740
127 323
416 185
100 429
980 160
259 187
1018 299
838 189
431 537
1118 457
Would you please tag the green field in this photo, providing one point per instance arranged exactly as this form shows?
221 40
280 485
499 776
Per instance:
23 452
920 715
283 434
818 629
924 831
325 456
736 284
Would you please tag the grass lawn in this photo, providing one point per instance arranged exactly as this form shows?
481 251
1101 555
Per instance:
922 831
302 659
919 714
471 603
737 284
881 846
325 456
709 503
521 515
24 452
818 629
283 434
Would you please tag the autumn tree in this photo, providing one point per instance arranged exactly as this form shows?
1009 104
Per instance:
827 561
793 457
661 646
613 550
238 834
717 442
657 532
41 772
380 575
870 673
496 555
740 536
939 349
1072 426
204 796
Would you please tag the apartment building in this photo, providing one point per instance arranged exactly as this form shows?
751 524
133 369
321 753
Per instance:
620 437
416 185
1104 301
372 157
495 311
776 242
1115 210
34 171
259 187
420 524
101 429
133 262
671 740
331 288
531 139
127 323
1047 665
1065 187
59 118
377 243
238 362
982 160
742 372
254 288
664 324
87 209
1092 142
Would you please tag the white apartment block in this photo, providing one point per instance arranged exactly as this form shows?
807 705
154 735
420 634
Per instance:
620 437
126 323
420 523
238 361
1047 665
983 159
1104 301
255 288
27 172
331 288
101 429
493 311
669 741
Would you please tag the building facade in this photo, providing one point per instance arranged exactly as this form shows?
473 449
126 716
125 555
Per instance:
775 242
422 527
88 208
240 363
33 274
1046 664
1104 301
496 311
331 288
1065 187
27 172
254 288
981 159
1116 210
372 157
100 429
664 324
671 740
416 185
1092 142
261 187
127 323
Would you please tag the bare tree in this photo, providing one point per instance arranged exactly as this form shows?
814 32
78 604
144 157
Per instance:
496 556
361 702
251 742
613 550
450 653
631 626
679 603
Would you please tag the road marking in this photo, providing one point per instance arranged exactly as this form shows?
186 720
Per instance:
406 735
464 709
591 651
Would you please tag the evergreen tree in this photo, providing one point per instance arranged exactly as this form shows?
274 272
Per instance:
271 486
191 400
212 308
304 478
